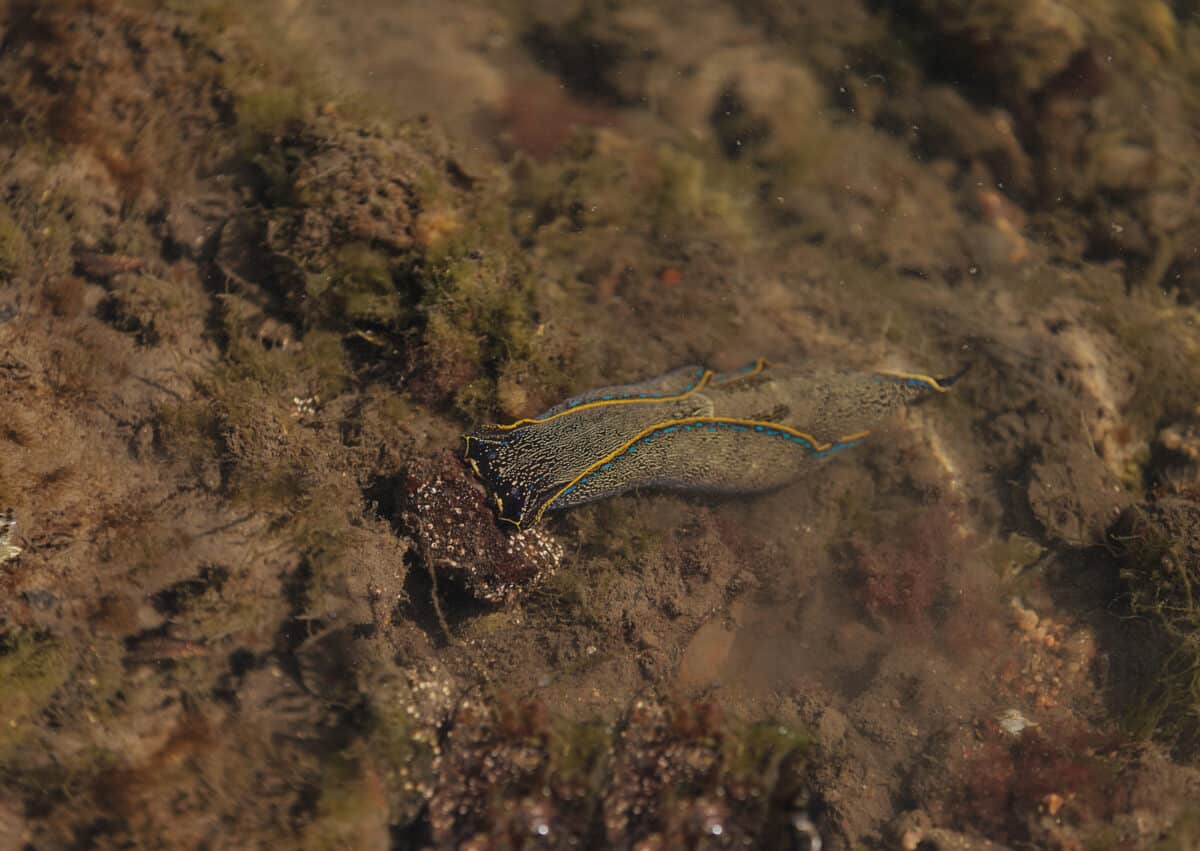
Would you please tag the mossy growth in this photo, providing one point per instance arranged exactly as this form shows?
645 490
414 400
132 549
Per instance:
1167 707
1156 29
754 752
259 413
1183 835
402 749
686 195
215 14
359 288
1010 557
265 120
605 189
504 297
484 341
640 537
268 112
251 373
149 307
32 668
189 433
579 755
1159 546
348 810
325 536
212 615
14 247
1160 337
137 542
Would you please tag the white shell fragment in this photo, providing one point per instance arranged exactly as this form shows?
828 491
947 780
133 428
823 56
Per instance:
7 525
1013 722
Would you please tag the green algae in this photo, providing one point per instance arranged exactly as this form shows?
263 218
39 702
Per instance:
267 113
1157 545
1183 834
401 747
1157 334
683 196
579 753
359 288
14 246
1010 557
756 750
32 668
347 809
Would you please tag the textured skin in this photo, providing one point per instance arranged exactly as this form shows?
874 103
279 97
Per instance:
741 432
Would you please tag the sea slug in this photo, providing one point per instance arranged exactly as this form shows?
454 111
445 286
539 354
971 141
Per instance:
745 431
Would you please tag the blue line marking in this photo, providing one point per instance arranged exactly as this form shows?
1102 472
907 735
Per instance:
812 451
722 377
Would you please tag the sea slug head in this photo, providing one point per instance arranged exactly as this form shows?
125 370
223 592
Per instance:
519 500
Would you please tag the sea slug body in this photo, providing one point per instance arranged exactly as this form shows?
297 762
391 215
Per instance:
745 431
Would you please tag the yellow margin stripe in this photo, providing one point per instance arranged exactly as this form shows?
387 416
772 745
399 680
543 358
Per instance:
467 457
759 365
817 446
914 376
604 403
708 376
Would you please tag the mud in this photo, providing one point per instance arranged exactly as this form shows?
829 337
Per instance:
261 267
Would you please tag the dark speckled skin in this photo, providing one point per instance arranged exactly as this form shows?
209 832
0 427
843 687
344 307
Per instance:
741 432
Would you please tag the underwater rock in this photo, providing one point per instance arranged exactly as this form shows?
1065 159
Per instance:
686 776
445 511
1024 44
512 775
1159 546
492 781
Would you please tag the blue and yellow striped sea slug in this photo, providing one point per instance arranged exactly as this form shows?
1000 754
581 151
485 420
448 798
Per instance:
751 430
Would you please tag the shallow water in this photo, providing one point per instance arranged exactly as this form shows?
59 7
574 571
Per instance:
260 270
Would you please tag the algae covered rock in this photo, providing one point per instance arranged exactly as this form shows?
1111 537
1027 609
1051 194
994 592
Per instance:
1025 44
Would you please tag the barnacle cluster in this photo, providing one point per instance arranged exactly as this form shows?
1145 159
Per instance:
670 776
447 514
